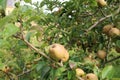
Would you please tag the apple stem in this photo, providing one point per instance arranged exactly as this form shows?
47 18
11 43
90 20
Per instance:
61 62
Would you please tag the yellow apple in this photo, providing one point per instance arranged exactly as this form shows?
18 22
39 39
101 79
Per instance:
107 28
101 3
79 72
58 52
114 32
91 76
101 54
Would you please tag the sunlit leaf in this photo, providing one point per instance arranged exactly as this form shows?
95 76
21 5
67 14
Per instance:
9 30
27 1
59 71
108 72
3 3
3 43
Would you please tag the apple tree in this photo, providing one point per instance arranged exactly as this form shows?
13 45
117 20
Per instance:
60 40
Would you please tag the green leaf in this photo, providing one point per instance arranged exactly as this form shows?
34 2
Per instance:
96 70
22 44
4 21
112 72
1 64
93 2
3 43
108 72
59 71
117 72
27 1
40 66
44 71
3 3
28 36
115 79
69 75
118 43
100 46
9 30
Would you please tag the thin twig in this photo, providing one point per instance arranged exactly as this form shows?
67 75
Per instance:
41 53
102 11
89 14
112 59
25 72
102 19
79 78
108 47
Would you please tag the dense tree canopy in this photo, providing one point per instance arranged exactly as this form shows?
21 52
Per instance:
32 41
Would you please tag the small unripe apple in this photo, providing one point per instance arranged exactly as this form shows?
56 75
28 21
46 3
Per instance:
58 52
79 72
91 76
101 54
107 28
114 32
101 3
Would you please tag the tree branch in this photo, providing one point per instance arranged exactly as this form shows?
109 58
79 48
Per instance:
22 37
41 53
102 19
99 21
7 74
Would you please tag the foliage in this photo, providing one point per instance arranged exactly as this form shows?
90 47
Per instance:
27 33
